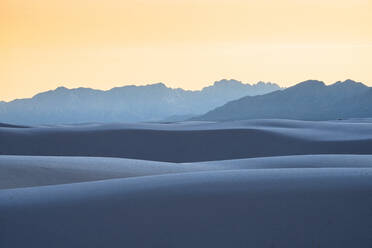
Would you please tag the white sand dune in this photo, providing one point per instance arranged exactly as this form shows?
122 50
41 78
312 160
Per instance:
28 171
258 183
327 207
191 142
297 161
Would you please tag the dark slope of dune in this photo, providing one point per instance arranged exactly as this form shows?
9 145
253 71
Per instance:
191 142
246 208
29 171
6 125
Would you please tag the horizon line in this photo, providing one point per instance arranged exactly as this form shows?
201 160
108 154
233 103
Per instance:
176 88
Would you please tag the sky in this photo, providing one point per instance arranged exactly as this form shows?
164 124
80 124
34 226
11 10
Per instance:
182 43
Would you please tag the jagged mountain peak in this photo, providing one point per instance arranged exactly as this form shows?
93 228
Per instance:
226 82
61 88
310 83
349 83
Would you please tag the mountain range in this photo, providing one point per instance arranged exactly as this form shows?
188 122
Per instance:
155 102
309 100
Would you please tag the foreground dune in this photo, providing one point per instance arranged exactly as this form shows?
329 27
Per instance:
192 141
323 207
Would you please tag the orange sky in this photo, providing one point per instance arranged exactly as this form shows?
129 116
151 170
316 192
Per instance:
183 43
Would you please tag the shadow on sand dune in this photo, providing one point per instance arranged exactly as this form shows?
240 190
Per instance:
187 145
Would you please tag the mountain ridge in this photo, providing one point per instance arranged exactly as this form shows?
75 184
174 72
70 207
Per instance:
308 100
222 82
131 103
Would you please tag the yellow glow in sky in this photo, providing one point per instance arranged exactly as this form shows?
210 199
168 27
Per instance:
183 43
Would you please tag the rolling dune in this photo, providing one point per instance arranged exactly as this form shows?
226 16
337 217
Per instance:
30 171
240 208
258 183
191 142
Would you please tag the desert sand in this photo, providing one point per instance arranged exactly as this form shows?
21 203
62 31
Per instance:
259 183
191 141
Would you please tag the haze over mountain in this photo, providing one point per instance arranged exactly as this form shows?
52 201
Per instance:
309 100
125 104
